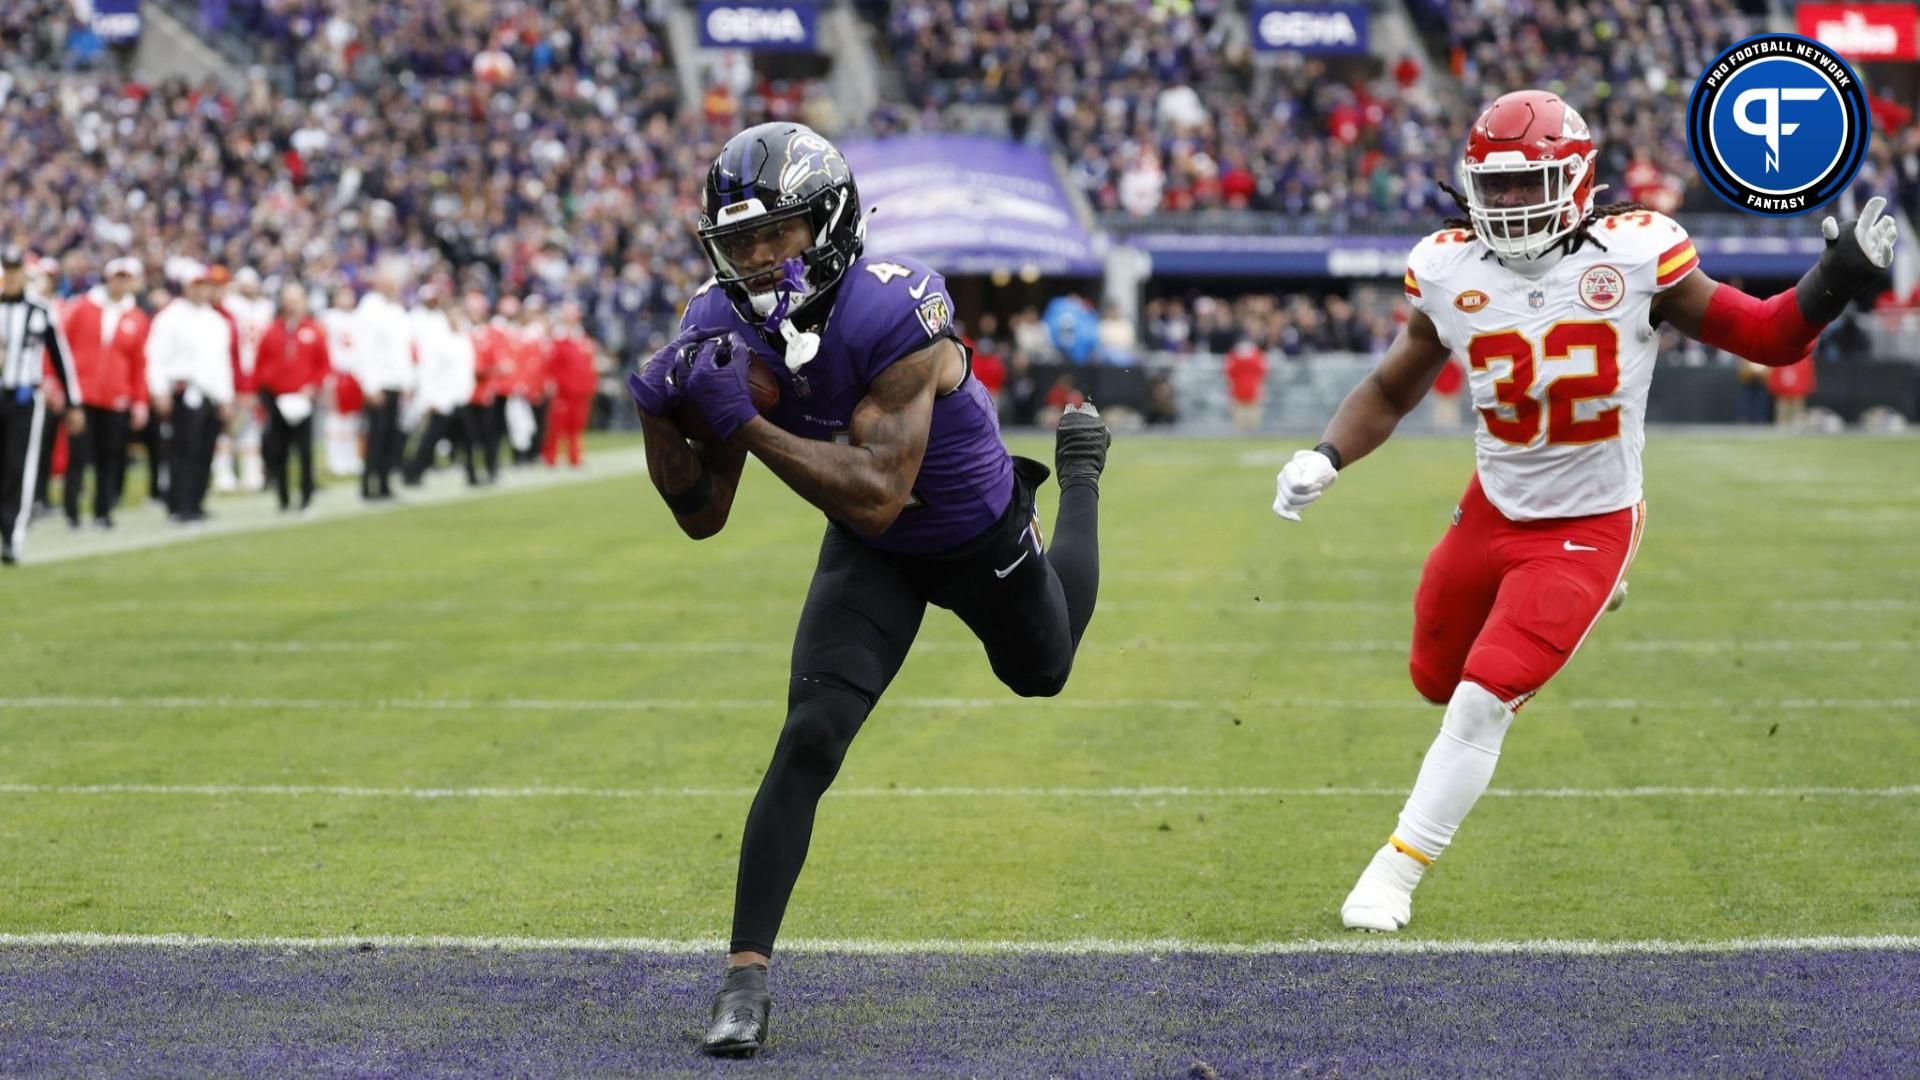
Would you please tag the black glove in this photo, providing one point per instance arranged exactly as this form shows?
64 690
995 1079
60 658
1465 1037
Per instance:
1857 257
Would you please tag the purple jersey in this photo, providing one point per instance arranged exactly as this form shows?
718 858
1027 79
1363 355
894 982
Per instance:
887 310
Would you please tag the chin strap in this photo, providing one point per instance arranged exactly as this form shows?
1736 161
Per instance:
801 346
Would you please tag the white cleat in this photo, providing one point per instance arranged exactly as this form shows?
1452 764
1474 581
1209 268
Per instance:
1382 900
1619 598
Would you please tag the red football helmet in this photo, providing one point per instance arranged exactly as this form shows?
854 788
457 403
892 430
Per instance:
1528 173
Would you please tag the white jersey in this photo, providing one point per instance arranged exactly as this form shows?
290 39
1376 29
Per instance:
1558 364
251 317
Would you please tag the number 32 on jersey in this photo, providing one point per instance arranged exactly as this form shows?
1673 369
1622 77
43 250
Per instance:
1516 419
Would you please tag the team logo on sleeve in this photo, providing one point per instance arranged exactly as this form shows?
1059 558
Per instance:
934 314
1470 301
1602 288
1778 125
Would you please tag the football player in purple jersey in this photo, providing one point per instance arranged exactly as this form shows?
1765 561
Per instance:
881 424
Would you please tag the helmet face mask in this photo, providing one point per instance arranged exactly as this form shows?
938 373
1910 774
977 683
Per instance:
1528 174
766 180
1521 208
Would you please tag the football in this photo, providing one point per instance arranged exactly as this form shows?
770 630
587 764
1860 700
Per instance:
761 383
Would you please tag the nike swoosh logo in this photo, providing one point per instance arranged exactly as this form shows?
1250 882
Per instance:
1015 566
1571 546
920 290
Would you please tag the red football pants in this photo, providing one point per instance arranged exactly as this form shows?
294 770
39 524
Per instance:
1504 604
566 419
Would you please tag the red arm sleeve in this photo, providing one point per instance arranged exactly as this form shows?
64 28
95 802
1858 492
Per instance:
1770 331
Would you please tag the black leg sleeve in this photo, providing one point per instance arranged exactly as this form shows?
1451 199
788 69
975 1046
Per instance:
1075 554
860 619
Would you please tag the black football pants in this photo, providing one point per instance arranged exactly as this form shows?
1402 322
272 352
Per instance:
861 615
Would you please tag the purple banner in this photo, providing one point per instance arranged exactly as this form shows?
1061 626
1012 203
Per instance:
970 204
1241 255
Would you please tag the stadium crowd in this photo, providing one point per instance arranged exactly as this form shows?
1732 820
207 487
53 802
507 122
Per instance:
1629 67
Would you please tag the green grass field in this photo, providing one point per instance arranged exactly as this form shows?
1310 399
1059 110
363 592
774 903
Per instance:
572 639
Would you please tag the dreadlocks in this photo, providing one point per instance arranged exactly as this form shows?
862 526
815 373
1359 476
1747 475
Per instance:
1582 233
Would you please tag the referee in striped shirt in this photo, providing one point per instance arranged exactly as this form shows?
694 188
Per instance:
28 333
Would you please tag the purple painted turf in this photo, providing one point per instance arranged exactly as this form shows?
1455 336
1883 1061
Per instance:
411 1012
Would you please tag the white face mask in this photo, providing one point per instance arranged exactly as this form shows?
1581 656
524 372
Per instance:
1521 208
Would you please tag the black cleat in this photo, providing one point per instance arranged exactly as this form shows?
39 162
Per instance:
7 557
739 1021
1080 446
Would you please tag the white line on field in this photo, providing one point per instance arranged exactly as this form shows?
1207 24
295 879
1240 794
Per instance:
1357 944
1151 645
143 528
1149 792
706 705
1226 606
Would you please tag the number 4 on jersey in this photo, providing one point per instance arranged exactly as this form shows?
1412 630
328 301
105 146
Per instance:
1516 419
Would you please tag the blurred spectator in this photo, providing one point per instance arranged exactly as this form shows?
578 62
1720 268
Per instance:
1790 387
1246 371
190 382
1448 388
383 365
107 332
290 368
443 379
572 379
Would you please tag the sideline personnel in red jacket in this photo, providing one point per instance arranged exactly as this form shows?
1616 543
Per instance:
571 376
107 332
290 367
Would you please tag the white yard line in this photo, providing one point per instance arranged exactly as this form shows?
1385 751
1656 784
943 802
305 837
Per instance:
1025 793
1151 645
1355 944
706 705
143 527
316 604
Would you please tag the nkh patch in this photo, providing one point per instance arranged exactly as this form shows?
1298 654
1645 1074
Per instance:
934 314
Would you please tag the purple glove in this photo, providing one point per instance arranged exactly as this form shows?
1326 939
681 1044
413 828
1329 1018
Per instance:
718 386
659 384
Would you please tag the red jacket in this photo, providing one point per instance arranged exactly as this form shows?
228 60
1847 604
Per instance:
530 365
570 366
1246 373
292 360
113 374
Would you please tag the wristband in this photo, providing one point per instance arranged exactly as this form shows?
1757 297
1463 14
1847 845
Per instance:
1332 454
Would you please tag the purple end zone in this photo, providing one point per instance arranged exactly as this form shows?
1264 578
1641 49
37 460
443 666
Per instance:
148 1011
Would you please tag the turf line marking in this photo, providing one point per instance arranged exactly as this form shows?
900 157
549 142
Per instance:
703 705
143 528
1355 944
1204 648
954 792
1235 606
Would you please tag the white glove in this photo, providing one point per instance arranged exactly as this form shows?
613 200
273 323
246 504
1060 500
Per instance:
1874 232
1302 481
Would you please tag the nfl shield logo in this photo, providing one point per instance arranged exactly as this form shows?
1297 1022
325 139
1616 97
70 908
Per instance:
1537 299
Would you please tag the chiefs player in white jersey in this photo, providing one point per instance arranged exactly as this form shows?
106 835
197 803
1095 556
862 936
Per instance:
1555 305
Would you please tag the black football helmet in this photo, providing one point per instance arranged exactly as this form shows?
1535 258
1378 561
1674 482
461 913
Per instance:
769 173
